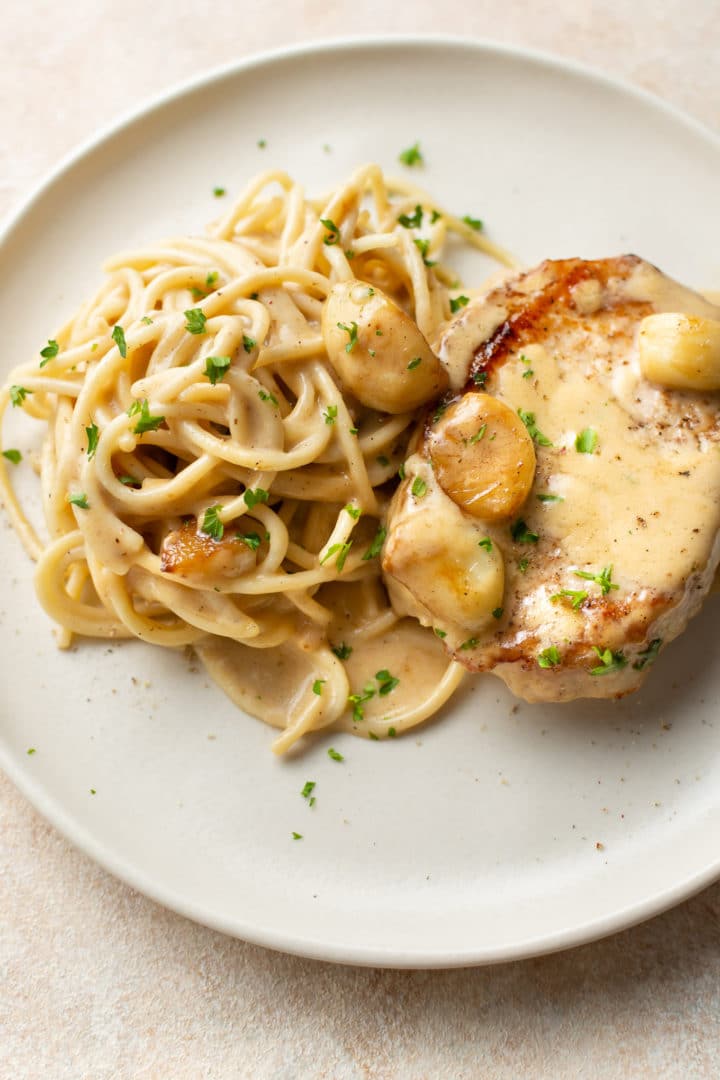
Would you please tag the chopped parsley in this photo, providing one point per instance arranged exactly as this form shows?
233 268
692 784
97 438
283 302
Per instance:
216 368
412 221
330 414
262 143
411 156
146 421
13 456
317 686
382 460
333 233
308 789
401 471
118 336
649 655
586 442
415 362
470 643
18 394
386 681
357 700
266 395
498 613
435 216
334 754
92 433
51 349
342 651
129 481
391 733
353 511
478 435
486 543
603 579
549 657
439 633
145 319
473 222
528 374
480 378
341 551
31 750
577 597
297 836
528 420
211 523
423 247
248 343
251 540
419 487
440 410
458 302
195 320
79 500
545 498
218 192
523 565
609 661
521 534
254 496
376 545
352 333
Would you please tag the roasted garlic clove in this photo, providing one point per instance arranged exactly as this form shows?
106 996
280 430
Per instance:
377 350
483 456
680 351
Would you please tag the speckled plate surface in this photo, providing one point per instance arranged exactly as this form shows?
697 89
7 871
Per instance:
501 829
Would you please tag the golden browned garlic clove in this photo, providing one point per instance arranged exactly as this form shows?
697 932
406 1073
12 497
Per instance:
377 350
680 351
483 456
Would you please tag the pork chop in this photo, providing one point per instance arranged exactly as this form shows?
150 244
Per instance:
568 580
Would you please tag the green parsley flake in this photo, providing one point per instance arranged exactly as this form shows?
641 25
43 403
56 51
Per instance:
216 368
486 543
308 789
333 233
459 302
480 378
412 221
411 156
521 534
498 613
357 700
211 523
577 597
330 414
341 551
586 442
435 216
317 686
218 192
297 836
129 481
254 496
419 487
391 733
649 655
146 320
262 143
353 511
376 545
13 456
549 657
349 254
31 750
544 498
473 222
251 540
79 500
18 395
387 682
423 247
146 422
609 661
383 460
415 362
342 651
478 435
603 579
523 565
248 343
51 350
352 332
334 754
528 420
528 374
470 643
439 633
118 336
401 471
195 320
266 395
92 433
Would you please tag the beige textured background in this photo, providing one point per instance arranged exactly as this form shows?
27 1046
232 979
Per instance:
97 982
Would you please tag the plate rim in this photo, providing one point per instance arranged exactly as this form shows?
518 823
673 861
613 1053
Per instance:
75 831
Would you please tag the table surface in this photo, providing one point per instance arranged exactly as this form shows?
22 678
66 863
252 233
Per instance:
99 982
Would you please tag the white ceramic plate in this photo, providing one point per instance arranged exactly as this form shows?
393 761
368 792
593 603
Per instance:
475 839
